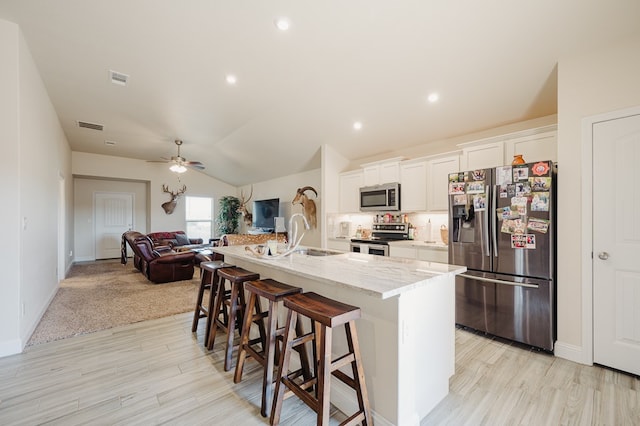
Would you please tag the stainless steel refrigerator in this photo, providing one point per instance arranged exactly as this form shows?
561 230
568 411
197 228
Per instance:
502 228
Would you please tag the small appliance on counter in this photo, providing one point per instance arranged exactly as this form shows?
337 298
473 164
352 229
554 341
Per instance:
345 229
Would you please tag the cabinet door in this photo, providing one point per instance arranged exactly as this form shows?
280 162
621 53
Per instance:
389 172
541 147
338 245
371 175
381 173
433 255
350 184
413 181
438 181
483 156
406 252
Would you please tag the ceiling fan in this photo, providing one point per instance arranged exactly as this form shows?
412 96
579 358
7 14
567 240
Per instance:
180 163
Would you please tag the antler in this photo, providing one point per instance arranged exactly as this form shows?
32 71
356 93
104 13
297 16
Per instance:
242 200
179 192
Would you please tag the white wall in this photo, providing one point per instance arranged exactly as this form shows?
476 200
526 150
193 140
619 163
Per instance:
285 189
591 83
33 139
157 174
84 190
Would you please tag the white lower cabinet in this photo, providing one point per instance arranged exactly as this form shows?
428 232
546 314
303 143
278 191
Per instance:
427 253
338 245
433 255
406 252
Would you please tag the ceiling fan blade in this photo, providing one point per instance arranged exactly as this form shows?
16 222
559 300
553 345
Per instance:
194 164
158 161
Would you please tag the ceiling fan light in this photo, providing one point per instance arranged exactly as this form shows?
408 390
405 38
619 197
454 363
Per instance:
178 168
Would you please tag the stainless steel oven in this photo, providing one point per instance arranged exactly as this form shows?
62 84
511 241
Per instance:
381 234
370 247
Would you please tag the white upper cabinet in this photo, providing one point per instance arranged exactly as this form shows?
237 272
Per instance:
482 156
537 144
538 147
350 184
438 170
381 172
413 185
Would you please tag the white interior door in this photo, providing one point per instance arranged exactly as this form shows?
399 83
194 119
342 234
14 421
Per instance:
616 243
113 216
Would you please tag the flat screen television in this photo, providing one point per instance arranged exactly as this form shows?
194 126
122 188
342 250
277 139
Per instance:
264 213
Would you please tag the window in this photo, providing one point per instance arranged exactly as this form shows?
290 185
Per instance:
199 217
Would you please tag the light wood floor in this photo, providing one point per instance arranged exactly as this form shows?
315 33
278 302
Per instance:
157 372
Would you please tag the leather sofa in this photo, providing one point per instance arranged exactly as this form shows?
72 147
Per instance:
160 264
177 240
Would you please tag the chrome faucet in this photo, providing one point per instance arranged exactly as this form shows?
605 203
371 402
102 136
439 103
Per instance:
294 241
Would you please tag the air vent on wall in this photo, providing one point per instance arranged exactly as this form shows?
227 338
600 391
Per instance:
118 77
92 126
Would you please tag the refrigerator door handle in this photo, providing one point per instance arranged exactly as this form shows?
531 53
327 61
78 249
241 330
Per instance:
485 234
494 281
494 221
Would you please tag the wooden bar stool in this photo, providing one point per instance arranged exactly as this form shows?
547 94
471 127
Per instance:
325 314
208 277
274 292
234 301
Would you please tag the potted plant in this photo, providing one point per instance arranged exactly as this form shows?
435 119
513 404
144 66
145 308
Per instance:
227 221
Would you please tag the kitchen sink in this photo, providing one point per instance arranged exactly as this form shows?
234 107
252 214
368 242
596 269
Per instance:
316 252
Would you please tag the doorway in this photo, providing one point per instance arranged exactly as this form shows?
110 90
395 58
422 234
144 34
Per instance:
615 276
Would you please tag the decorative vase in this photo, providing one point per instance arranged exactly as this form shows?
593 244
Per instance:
517 159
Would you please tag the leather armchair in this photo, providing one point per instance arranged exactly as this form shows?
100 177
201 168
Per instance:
159 264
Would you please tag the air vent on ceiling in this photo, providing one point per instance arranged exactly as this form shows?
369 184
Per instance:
118 77
110 143
92 126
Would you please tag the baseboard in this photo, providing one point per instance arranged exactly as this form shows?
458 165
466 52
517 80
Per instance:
84 259
344 398
570 352
10 347
33 327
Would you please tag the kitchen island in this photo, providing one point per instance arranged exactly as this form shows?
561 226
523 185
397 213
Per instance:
407 328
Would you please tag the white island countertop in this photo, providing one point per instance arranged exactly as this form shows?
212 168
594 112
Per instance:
377 276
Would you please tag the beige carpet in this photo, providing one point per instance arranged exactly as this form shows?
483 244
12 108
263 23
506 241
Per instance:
104 294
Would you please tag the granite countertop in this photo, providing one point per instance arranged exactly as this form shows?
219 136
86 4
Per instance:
377 276
420 244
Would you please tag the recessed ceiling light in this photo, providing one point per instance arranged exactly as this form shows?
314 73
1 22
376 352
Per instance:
357 125
231 79
433 97
282 24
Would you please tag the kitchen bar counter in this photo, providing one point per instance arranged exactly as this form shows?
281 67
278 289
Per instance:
407 328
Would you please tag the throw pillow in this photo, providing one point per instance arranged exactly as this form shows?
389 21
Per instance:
182 239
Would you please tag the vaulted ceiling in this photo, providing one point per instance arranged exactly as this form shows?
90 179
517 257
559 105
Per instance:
491 62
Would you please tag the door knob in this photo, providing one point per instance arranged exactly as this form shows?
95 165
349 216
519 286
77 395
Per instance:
603 255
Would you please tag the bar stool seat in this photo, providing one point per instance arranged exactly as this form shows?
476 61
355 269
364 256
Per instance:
207 278
234 302
274 292
324 314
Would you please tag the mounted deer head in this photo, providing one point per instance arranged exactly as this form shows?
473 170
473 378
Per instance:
248 217
309 206
171 204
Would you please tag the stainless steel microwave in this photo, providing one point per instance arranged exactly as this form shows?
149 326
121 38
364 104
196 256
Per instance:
380 198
